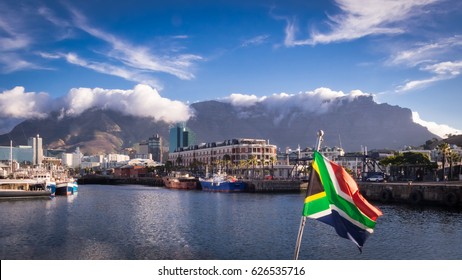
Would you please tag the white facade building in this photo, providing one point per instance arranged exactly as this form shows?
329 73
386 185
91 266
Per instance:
72 160
37 149
236 150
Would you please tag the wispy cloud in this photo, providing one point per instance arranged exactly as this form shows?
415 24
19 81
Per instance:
138 57
441 58
12 43
30 28
255 41
441 71
106 68
427 52
358 19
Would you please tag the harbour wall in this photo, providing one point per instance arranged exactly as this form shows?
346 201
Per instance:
415 193
105 180
275 185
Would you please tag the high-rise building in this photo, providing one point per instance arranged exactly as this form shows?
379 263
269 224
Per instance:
37 149
180 136
155 147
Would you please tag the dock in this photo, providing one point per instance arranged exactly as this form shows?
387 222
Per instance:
275 186
448 194
415 193
20 194
23 188
107 180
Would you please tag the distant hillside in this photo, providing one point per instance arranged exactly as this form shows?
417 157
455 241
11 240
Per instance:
455 140
94 131
351 124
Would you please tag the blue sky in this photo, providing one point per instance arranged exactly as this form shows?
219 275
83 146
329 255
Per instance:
144 56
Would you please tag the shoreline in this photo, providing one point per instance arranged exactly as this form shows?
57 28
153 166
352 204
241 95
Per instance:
448 193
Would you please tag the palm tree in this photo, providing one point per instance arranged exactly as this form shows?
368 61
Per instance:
453 157
241 166
273 160
444 150
226 162
179 161
253 161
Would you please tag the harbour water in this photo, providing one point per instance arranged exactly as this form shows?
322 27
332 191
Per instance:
138 222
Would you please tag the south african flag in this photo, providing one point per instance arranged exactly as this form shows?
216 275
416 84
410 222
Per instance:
333 198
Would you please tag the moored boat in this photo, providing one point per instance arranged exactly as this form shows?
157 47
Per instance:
222 183
181 181
67 188
25 188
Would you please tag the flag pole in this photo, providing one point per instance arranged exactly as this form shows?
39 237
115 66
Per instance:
303 219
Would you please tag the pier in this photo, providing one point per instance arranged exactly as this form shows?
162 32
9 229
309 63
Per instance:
415 193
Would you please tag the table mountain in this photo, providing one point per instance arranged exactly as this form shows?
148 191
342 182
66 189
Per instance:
350 123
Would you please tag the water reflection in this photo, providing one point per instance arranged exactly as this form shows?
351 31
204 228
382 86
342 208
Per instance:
135 222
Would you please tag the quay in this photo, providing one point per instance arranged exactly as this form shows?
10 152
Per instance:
415 193
272 186
447 194
12 189
106 180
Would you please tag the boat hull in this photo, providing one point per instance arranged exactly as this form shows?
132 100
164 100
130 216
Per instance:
181 183
65 189
237 186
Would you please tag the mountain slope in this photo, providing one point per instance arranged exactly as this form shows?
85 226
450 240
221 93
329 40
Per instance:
352 124
349 123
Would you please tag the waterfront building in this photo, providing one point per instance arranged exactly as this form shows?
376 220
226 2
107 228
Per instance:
113 160
238 153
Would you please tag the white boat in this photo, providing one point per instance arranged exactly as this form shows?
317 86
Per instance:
67 188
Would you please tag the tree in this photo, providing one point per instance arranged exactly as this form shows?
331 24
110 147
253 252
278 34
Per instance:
226 162
444 151
179 161
408 162
253 161
453 157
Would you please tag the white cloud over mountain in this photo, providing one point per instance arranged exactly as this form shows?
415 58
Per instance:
441 130
142 101
316 101
17 104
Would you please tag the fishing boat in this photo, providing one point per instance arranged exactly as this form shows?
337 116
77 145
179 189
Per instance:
181 181
67 188
222 183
